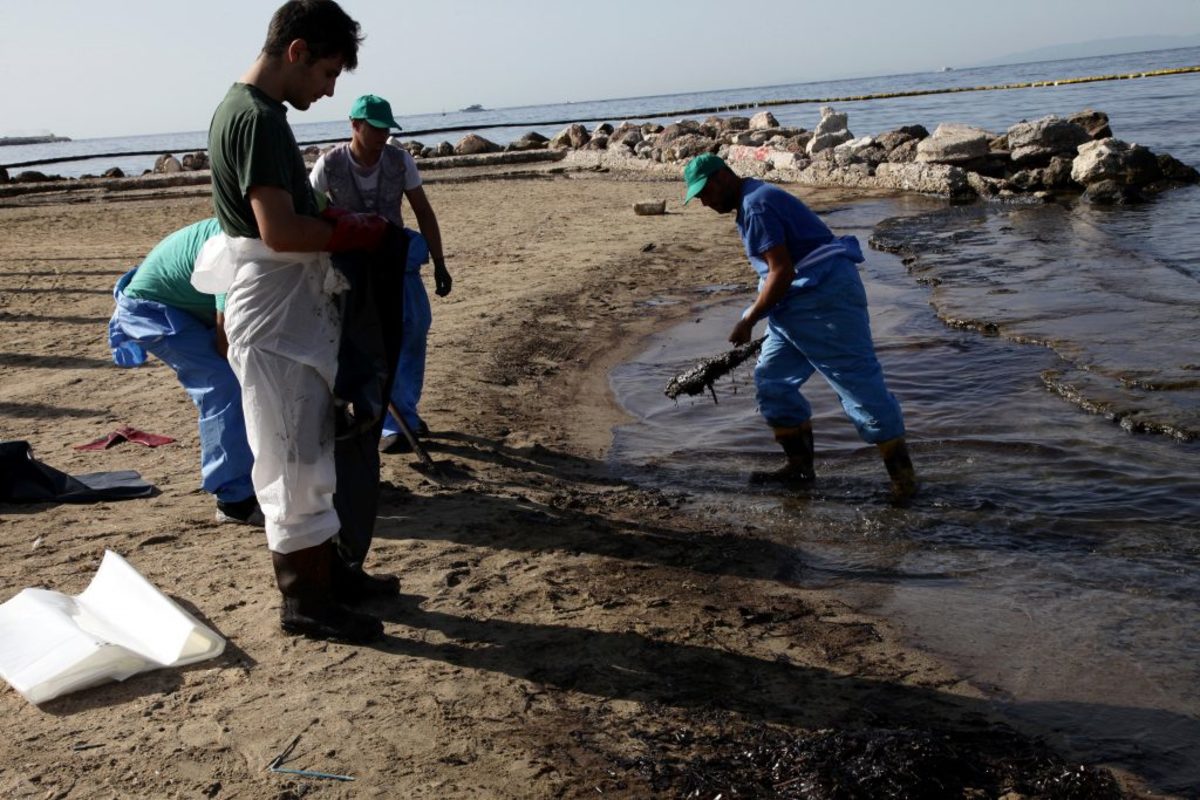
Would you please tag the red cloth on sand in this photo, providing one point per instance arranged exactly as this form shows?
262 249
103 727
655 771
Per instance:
123 434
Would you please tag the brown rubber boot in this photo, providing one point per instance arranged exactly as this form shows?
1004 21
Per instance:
305 579
899 467
797 444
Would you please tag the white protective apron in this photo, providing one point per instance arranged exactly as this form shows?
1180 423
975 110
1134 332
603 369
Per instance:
283 329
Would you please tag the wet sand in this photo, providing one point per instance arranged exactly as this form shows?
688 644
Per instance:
561 634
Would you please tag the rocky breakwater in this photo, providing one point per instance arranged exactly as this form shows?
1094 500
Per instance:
1030 162
165 165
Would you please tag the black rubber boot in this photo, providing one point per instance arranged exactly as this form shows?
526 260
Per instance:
899 467
309 608
352 585
797 444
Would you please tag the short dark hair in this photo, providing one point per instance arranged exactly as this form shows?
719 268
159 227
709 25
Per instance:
322 24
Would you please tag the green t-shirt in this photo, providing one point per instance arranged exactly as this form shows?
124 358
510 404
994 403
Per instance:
251 144
165 276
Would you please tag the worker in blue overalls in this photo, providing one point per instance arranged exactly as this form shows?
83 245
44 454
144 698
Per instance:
158 311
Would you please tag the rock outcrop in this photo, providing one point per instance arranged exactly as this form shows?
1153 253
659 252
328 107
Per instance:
1029 162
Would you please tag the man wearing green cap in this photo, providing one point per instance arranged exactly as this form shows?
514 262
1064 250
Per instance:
813 300
367 175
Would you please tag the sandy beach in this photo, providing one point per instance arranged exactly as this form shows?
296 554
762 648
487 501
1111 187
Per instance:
561 633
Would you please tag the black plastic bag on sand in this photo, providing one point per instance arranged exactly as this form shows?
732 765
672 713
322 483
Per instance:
372 316
24 479
372 327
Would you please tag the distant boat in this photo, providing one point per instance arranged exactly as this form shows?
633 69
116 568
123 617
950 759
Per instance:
475 107
946 69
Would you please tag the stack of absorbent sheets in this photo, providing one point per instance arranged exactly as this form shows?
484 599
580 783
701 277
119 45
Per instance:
52 644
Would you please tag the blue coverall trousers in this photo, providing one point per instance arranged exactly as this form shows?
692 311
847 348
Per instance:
826 328
188 346
418 317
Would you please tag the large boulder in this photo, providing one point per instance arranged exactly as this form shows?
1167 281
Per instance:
603 129
987 188
753 138
1094 122
954 144
1110 192
775 159
530 141
688 145
1035 143
890 140
824 173
797 143
413 147
904 153
442 149
571 137
763 120
167 164
627 135
597 142
1114 160
940 179
675 130
197 160
3 175
832 130
113 172
33 176
859 151
1175 170
1027 180
621 149
473 144
728 124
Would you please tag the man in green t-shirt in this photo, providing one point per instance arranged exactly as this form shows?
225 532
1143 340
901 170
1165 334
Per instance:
158 311
280 319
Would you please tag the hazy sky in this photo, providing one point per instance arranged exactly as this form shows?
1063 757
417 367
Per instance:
84 69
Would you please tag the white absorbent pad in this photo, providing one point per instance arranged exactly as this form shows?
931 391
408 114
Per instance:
52 643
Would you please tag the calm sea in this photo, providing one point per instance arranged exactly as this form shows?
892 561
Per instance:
1054 553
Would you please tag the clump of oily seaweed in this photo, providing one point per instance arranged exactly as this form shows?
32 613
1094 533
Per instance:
709 370
871 764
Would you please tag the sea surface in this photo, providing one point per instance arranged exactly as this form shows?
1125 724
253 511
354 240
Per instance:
1048 362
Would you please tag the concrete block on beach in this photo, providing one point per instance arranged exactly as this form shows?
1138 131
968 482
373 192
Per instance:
650 208
940 179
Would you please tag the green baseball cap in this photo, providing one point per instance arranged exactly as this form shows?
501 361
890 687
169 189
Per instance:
375 110
697 173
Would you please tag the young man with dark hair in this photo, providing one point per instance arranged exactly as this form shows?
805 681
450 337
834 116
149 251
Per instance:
281 320
813 300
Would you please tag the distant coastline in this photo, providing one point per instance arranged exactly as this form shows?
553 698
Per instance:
48 138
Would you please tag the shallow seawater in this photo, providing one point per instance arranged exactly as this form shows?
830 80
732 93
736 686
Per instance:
1052 554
